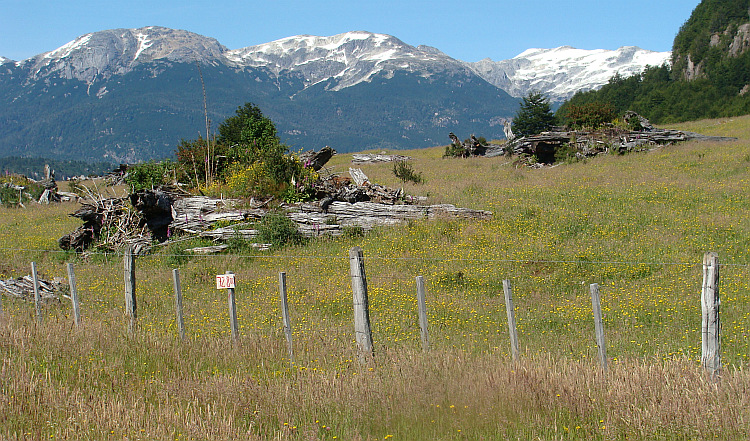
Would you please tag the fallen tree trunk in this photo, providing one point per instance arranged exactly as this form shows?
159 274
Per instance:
313 221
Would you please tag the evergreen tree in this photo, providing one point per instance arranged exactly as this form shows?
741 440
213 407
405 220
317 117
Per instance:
534 116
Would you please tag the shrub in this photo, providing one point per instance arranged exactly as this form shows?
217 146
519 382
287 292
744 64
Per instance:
150 174
194 156
454 151
590 115
249 180
406 173
279 230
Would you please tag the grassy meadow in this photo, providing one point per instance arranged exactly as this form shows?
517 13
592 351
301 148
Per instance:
638 225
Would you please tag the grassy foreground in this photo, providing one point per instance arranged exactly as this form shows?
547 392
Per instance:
638 225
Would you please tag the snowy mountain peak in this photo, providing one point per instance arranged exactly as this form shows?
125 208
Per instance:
4 60
561 72
117 51
345 59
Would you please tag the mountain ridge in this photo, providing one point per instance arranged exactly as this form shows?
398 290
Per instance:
517 76
131 94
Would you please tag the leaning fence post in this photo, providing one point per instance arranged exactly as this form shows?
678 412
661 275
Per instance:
710 323
178 302
130 300
422 307
233 312
362 332
509 309
285 314
599 324
37 295
74 295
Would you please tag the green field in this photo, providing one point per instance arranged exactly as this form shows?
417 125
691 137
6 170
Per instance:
637 225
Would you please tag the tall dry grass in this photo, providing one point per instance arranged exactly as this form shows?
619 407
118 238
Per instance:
96 383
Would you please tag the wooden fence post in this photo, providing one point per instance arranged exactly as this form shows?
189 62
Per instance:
130 299
233 312
422 307
710 323
37 295
74 295
362 332
509 309
599 324
285 314
178 302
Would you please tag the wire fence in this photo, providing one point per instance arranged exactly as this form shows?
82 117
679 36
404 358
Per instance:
650 309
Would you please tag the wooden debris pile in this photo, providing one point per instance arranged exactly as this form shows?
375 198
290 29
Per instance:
23 288
358 188
470 147
110 224
544 146
164 212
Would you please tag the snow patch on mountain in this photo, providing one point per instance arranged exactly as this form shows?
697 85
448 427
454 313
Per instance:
4 60
143 43
561 72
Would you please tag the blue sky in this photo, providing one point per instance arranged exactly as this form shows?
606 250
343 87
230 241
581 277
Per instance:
468 30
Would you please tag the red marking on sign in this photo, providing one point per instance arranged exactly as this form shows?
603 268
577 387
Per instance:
225 281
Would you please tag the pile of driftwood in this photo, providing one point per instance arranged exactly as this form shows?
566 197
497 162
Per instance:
110 224
586 144
164 213
23 288
470 147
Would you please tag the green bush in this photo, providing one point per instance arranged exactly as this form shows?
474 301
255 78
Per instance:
406 173
150 174
454 151
279 231
590 115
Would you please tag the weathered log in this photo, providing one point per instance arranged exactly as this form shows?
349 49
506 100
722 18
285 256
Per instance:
372 158
316 160
314 221
230 232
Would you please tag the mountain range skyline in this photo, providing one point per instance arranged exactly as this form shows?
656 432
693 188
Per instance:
533 69
470 31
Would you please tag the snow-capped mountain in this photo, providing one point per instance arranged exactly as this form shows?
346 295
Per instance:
559 73
100 55
348 58
4 60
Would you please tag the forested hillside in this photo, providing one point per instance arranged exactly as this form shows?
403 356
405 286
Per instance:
709 76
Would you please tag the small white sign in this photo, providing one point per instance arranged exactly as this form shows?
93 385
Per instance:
225 281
